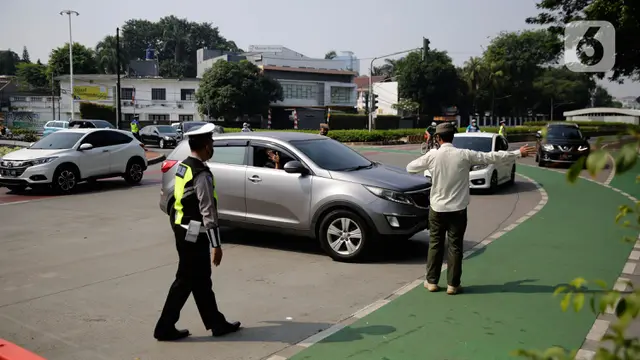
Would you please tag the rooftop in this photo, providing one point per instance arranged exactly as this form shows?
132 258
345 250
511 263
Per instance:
89 77
309 70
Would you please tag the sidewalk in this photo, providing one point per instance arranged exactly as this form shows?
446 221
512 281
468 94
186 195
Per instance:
508 302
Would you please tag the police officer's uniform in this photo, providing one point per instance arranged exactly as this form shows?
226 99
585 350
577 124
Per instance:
196 230
135 128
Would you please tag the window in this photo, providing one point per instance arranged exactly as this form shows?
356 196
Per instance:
501 144
473 143
128 117
182 118
58 140
564 132
103 124
97 139
233 155
340 95
158 94
159 117
261 154
166 129
304 92
116 138
126 93
188 94
331 155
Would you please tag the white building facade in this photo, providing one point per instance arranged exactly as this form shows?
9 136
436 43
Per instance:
387 97
151 99
613 115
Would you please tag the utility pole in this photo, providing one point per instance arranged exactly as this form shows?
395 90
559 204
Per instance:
53 99
69 13
118 102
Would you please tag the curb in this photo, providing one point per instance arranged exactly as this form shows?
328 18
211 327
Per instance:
293 349
156 160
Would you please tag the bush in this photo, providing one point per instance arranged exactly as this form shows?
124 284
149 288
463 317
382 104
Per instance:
4 150
97 112
27 135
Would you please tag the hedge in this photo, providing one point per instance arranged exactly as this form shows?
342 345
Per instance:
397 134
4 150
97 112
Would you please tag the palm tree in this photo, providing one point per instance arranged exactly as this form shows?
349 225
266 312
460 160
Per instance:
330 55
106 56
472 72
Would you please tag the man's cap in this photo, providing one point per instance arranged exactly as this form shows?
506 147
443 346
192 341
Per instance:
433 123
445 128
501 121
473 120
202 130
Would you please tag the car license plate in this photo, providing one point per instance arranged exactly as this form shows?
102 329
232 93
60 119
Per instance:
11 173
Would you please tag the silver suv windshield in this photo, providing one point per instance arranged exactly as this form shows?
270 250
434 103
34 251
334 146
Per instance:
332 155
58 140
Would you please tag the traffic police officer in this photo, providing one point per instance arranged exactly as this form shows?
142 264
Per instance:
135 128
196 229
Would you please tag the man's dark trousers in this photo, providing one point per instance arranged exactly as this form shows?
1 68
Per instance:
193 276
442 225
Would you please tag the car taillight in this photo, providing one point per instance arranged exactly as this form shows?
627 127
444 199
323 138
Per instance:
167 164
142 146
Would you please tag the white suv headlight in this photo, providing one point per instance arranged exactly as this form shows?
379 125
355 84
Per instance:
479 167
547 147
389 195
43 160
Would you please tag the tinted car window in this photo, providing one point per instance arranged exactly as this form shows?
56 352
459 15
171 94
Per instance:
563 132
116 138
81 125
97 139
166 129
473 143
330 154
234 155
58 140
103 124
191 125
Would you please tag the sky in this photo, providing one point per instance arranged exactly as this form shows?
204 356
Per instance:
368 28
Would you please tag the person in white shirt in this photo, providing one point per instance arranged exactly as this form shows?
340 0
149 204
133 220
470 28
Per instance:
449 169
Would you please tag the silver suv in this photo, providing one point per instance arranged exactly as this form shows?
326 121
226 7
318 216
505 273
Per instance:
325 190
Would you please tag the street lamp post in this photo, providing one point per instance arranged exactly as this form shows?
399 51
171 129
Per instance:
69 13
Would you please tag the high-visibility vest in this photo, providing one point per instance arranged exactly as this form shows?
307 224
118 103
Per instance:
186 204
134 127
502 130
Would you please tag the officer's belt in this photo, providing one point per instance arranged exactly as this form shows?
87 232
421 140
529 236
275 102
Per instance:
203 230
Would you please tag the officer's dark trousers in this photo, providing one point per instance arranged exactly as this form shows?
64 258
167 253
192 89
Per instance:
193 276
442 225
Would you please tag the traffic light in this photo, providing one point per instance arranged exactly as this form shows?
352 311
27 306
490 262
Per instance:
425 48
374 105
366 103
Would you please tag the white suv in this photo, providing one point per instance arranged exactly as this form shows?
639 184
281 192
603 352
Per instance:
67 157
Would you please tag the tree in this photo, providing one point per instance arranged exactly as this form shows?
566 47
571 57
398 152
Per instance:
8 62
232 89
388 69
32 76
175 40
626 306
25 55
559 89
83 60
107 56
602 98
622 14
433 83
330 55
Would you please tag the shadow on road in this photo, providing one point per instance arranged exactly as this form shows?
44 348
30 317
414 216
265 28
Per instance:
505 189
86 188
287 332
519 287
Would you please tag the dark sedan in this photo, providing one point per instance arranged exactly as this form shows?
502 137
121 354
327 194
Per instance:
161 135
563 143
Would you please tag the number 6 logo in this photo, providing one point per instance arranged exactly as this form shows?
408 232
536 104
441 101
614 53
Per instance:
589 46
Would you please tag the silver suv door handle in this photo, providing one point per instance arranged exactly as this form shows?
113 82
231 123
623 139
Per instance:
105 150
255 178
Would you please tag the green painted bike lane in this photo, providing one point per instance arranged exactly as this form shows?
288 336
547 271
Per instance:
507 302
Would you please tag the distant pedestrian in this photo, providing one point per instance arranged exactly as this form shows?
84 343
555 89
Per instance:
449 168
135 128
246 128
473 127
324 129
503 129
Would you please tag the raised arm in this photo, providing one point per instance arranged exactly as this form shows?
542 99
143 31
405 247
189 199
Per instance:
420 164
481 158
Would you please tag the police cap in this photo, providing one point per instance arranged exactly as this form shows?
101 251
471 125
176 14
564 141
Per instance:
202 130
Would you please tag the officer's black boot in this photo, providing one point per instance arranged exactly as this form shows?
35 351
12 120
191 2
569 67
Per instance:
171 335
227 328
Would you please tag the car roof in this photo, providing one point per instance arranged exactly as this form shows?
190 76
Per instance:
88 130
271 135
476 134
563 124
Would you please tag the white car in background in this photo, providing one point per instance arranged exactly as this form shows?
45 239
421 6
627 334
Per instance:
67 157
487 177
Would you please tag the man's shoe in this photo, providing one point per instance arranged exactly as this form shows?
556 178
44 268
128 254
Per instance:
431 287
173 335
227 328
452 290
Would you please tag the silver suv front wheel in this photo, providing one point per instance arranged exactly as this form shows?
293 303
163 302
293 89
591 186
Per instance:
344 236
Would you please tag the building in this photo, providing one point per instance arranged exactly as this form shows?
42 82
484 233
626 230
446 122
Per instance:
149 98
387 92
630 102
629 116
25 108
310 85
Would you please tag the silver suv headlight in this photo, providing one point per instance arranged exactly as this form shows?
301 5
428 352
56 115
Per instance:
43 160
479 167
389 195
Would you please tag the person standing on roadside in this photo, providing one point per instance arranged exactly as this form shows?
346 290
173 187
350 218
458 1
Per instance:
324 129
135 128
473 127
503 129
449 168
196 230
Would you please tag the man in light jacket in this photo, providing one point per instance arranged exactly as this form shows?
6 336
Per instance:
449 168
